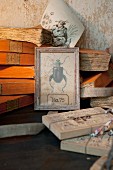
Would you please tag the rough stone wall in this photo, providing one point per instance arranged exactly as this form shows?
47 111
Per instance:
96 15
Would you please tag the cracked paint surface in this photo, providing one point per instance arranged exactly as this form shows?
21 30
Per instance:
96 15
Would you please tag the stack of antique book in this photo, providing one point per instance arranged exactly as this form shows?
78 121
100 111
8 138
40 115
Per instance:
97 77
16 74
17 48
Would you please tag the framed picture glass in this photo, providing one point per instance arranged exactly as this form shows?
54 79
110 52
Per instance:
57 79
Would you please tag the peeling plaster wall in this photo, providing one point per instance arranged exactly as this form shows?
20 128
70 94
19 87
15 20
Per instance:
21 13
96 15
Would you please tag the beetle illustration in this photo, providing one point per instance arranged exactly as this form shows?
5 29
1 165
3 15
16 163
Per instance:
57 74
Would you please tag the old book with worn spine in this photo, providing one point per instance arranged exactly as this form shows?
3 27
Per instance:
16 71
98 80
104 102
16 86
17 46
16 59
94 60
98 85
88 92
36 35
9 103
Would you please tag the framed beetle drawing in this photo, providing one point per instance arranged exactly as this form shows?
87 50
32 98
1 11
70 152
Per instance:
57 79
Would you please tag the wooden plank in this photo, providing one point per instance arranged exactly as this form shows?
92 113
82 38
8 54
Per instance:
99 163
104 102
16 59
16 72
36 35
96 92
50 119
75 144
9 103
97 146
16 86
94 60
72 128
76 123
17 46
98 80
20 129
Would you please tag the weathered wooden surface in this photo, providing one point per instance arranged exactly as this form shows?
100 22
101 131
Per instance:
35 35
20 129
76 123
94 60
96 92
16 72
97 146
104 102
16 86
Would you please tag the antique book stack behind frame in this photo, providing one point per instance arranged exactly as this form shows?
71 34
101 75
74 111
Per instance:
57 79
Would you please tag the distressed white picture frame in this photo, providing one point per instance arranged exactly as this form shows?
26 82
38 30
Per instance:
57 79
